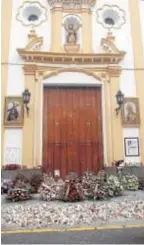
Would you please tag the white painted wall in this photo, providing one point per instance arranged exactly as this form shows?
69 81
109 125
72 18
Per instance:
19 39
123 35
19 32
123 41
13 146
15 83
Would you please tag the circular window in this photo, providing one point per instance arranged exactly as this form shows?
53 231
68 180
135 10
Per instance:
111 16
32 14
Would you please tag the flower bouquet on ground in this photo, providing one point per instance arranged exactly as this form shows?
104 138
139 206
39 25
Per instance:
17 194
35 182
51 188
21 182
114 186
73 191
88 181
130 182
6 185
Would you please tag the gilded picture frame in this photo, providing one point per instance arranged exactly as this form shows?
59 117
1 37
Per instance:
130 113
14 111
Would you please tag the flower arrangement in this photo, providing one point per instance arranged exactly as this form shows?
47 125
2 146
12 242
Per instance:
18 194
12 166
130 182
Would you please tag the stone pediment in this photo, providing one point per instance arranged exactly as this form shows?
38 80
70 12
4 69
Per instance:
34 42
109 46
110 56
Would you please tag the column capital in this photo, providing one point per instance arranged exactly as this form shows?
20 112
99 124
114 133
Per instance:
114 71
29 69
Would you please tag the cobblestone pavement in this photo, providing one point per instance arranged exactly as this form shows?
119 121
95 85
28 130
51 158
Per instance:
35 213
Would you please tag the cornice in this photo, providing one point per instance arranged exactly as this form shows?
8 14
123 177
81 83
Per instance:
70 58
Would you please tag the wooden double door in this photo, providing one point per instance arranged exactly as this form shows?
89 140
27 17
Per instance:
72 130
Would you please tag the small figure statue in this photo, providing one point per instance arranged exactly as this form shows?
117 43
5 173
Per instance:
72 33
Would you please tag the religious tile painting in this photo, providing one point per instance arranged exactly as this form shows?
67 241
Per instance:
14 111
130 112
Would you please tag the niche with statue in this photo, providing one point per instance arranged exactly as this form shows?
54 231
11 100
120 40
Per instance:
71 29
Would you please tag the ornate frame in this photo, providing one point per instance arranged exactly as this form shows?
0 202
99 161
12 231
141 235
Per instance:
134 115
20 121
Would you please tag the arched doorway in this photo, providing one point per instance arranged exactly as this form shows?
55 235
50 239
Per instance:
72 124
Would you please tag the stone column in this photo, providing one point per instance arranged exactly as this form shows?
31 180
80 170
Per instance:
38 120
28 129
108 120
56 41
116 125
86 31
138 64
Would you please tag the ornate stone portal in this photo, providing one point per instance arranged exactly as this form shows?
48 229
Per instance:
103 66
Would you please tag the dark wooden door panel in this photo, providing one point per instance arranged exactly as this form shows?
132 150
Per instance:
72 130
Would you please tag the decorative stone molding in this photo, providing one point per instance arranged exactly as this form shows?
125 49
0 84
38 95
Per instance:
29 69
100 73
109 45
71 48
114 71
72 3
110 57
32 13
34 42
89 72
63 58
111 17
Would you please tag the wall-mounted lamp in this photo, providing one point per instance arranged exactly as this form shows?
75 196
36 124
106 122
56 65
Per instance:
120 101
26 99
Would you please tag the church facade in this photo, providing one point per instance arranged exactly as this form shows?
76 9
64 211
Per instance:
72 84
